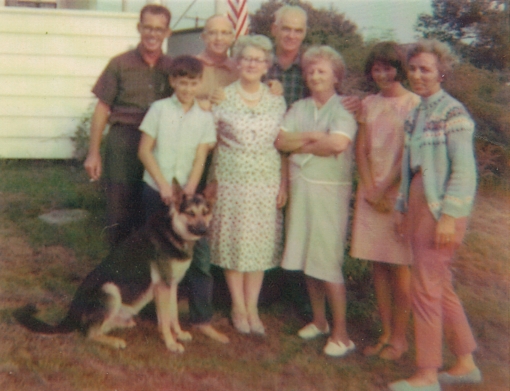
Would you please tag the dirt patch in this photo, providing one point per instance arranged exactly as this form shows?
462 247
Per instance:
64 216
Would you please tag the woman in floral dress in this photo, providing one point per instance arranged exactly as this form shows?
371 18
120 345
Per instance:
246 230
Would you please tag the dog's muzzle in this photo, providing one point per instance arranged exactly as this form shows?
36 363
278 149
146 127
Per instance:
198 229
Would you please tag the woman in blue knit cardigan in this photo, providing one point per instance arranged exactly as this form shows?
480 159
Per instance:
436 197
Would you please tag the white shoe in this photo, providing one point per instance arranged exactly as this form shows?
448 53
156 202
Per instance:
338 349
311 331
240 323
256 326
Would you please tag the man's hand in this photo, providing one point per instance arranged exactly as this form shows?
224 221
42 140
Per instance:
352 104
93 166
205 104
275 87
217 96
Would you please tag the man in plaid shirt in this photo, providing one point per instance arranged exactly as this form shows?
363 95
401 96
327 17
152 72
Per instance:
289 31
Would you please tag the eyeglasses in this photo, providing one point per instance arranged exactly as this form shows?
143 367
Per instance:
155 30
254 60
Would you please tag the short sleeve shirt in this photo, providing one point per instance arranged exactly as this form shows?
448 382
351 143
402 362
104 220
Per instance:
129 85
331 118
294 86
177 135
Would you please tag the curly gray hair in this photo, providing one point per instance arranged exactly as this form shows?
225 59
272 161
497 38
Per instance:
256 41
315 53
446 60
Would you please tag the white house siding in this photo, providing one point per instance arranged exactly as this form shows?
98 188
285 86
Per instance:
49 61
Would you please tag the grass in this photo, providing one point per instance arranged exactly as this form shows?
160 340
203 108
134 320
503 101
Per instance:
36 187
44 264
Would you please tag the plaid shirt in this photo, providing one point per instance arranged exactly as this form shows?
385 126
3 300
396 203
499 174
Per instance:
294 87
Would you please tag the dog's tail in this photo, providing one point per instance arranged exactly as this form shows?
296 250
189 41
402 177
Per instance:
26 317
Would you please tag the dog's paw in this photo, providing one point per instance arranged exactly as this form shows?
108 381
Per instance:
113 342
120 344
131 323
175 347
184 336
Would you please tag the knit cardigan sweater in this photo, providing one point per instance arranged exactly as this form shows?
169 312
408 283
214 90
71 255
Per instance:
447 158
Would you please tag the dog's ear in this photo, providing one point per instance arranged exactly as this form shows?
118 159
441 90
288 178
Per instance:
177 193
211 191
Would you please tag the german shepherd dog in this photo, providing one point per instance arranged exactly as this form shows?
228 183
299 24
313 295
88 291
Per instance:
147 266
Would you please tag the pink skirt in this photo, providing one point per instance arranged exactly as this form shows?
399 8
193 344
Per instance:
373 233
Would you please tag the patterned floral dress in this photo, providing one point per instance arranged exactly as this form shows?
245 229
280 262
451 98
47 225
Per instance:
246 229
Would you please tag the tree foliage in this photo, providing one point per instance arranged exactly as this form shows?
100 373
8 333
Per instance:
478 29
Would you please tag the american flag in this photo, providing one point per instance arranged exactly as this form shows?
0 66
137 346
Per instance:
238 15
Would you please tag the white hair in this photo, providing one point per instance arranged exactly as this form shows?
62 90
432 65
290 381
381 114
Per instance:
278 15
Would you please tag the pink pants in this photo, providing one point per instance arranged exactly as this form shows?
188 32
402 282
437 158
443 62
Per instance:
435 304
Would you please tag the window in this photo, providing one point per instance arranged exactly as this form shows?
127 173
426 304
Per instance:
31 4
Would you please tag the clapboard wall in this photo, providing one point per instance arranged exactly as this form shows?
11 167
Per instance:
49 61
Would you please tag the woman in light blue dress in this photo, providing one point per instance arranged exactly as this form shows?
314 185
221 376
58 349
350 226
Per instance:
317 132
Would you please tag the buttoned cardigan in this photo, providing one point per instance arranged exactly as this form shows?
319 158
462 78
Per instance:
446 158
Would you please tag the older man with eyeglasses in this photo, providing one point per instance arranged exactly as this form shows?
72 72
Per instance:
129 84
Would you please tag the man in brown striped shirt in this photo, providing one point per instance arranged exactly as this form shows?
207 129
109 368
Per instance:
129 84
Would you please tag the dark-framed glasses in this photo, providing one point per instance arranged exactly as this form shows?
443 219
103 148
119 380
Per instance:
154 30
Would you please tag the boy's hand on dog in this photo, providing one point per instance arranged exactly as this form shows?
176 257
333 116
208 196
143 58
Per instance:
166 193
190 188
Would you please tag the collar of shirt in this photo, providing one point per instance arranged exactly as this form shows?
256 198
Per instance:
177 103
295 63
138 51
228 63
432 101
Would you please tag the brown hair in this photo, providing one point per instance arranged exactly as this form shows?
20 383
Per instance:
156 9
388 53
186 66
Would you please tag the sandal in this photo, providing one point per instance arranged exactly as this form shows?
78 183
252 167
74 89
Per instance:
391 353
374 350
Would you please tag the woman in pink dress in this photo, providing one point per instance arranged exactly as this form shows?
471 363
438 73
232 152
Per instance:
379 147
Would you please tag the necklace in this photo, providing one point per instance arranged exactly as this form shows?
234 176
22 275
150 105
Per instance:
249 96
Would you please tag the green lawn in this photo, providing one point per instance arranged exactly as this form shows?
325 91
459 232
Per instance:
43 264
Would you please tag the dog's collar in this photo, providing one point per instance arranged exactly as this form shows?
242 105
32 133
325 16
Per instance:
184 247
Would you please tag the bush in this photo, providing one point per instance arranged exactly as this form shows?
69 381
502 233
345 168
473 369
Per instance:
486 96
81 137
